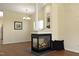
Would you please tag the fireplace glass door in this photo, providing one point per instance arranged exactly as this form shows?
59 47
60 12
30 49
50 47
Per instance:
41 42
44 42
34 42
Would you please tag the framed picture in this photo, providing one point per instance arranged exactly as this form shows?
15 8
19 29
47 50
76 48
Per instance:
48 21
17 25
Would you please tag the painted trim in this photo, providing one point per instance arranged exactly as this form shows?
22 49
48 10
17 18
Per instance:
72 50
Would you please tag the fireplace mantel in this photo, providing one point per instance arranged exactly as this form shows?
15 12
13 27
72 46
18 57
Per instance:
41 32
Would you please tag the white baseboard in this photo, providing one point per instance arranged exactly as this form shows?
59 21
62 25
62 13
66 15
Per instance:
72 50
15 42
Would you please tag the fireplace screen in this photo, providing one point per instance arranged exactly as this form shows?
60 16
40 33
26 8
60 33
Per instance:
41 42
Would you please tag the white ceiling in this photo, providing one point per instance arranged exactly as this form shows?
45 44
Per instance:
28 8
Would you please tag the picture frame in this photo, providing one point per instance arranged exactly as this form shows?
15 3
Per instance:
48 21
17 25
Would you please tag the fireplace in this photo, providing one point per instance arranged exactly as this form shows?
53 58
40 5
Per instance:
41 42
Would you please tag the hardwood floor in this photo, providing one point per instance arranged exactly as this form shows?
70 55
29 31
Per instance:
24 49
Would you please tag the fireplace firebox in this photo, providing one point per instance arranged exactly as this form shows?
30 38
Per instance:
41 42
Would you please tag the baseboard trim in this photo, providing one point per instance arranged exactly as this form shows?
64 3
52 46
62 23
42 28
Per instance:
72 50
17 42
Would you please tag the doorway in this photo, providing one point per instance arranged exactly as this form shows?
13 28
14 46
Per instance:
1 28
1 36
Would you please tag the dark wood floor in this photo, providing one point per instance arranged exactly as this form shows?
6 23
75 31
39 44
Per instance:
23 49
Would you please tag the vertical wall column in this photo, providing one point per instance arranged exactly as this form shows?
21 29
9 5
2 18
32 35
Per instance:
54 21
36 19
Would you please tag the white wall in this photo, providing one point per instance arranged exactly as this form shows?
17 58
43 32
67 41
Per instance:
72 25
69 26
61 21
54 21
9 34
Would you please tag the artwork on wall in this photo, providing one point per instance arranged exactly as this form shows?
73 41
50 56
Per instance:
17 25
48 21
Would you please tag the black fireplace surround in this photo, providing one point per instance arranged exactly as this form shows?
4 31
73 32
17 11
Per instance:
43 42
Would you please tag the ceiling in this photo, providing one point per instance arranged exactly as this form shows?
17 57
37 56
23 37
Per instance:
28 8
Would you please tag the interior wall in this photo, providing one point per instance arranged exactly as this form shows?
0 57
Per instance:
54 21
61 21
72 32
41 14
68 26
13 36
